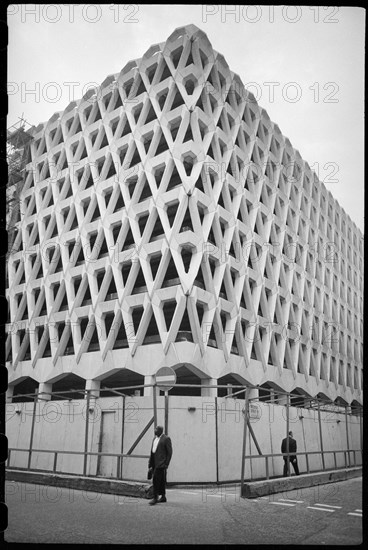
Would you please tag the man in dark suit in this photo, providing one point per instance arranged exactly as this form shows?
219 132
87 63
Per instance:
161 452
292 449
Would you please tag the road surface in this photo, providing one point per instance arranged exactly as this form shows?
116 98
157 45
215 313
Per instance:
326 514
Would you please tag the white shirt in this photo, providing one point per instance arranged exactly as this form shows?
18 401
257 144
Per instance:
155 443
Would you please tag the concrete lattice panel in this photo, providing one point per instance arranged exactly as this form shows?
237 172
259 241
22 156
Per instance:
165 209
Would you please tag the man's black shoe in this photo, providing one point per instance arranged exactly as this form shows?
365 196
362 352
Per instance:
153 501
162 499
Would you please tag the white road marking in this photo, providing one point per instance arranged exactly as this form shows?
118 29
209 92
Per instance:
355 514
321 509
327 505
282 503
358 510
223 493
289 500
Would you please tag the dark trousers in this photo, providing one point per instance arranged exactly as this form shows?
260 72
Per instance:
294 462
159 482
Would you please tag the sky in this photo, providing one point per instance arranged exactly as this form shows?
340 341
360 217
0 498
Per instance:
304 65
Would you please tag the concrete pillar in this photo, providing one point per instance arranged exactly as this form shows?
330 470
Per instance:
208 392
149 379
44 392
93 385
9 394
282 399
253 393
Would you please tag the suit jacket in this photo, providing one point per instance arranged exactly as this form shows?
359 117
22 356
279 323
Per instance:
161 458
292 447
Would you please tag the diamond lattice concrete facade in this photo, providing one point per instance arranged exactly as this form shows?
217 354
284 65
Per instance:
165 220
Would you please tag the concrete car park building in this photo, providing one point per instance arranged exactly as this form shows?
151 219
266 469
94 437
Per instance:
166 221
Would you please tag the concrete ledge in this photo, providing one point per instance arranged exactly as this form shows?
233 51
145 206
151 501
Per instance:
80 483
266 487
138 489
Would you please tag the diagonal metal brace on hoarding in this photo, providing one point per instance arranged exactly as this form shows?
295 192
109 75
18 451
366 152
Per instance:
141 435
253 437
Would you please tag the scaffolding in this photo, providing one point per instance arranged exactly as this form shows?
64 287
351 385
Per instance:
18 151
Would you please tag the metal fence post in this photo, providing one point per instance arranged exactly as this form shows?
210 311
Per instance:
122 439
166 412
320 435
307 462
55 461
244 439
287 434
347 433
216 441
267 469
154 396
86 435
32 430
117 466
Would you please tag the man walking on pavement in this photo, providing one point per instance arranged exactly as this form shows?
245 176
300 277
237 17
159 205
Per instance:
292 449
159 461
